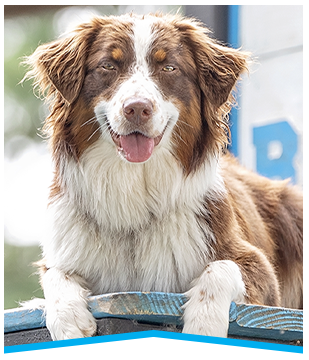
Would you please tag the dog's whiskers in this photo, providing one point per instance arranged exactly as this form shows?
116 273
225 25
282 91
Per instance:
91 120
178 135
94 132
184 123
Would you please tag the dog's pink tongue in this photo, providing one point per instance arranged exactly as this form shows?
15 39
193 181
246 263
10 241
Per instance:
137 147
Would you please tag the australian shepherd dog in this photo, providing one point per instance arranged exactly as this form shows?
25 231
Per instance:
145 196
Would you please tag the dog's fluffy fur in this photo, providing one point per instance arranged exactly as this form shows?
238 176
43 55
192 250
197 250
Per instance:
145 197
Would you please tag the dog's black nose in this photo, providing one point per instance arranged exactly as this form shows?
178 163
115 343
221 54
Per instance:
137 110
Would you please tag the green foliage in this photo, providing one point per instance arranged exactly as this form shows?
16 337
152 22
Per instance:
23 115
20 279
23 112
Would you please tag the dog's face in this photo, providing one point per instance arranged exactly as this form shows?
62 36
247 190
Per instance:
141 83
135 83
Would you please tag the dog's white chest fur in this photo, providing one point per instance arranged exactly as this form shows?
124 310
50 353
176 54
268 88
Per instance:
127 227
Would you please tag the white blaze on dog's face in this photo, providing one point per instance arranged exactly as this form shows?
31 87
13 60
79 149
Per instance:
136 114
132 76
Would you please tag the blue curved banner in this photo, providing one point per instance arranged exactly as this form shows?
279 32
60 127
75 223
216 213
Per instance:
225 346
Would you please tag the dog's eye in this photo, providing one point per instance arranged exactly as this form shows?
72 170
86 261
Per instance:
168 68
108 67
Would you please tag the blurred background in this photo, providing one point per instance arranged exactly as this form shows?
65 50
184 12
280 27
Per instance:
266 125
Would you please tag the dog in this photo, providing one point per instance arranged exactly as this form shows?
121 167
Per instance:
145 195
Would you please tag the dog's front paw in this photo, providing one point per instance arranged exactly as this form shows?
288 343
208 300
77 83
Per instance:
209 321
66 306
70 323
207 310
209 318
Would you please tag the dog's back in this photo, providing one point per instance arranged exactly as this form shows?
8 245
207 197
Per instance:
271 215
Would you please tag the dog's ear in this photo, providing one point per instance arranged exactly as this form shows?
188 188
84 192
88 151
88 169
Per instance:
219 69
60 65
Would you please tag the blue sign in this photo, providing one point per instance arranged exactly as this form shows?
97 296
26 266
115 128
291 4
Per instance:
276 146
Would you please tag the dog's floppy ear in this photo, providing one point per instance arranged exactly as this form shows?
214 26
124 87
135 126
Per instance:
60 65
219 69
218 66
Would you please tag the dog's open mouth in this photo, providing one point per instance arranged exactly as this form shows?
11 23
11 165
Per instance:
135 147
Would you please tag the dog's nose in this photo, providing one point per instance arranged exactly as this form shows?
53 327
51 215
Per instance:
137 110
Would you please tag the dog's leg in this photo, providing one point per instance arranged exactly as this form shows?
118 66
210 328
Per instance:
67 316
207 310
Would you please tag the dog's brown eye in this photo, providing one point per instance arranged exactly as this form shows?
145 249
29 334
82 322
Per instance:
109 67
168 68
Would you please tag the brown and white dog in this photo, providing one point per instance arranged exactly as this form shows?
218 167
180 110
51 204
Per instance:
144 198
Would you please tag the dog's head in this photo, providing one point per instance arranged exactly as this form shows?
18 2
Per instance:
140 83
